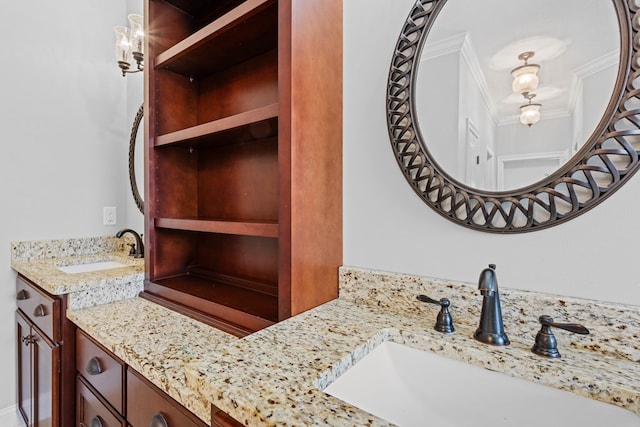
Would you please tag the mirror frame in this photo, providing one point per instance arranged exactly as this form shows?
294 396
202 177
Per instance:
132 159
589 177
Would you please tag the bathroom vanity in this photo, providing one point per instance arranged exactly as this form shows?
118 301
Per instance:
52 277
162 362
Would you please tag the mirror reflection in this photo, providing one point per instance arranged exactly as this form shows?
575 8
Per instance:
508 91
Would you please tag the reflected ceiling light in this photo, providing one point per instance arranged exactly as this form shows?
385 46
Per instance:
525 77
530 113
130 42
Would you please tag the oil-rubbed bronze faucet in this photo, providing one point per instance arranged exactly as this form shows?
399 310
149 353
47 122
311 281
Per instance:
546 344
491 328
137 249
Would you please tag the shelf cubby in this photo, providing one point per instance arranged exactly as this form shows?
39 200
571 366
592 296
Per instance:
243 108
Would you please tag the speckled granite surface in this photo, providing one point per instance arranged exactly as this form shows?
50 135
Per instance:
615 328
156 342
38 261
274 377
308 352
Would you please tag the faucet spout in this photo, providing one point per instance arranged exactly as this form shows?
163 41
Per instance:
137 249
491 327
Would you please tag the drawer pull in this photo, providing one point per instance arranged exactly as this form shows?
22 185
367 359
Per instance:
96 421
28 340
22 295
93 366
39 311
158 420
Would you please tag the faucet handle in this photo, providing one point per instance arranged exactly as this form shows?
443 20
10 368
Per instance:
546 343
132 251
444 322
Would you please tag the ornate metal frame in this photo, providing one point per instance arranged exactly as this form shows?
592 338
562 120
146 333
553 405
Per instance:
606 161
132 159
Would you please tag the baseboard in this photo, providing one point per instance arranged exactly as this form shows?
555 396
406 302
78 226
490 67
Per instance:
9 417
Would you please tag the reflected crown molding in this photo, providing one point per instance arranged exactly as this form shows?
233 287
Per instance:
461 44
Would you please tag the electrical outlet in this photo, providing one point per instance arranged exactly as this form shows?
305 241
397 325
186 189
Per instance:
109 215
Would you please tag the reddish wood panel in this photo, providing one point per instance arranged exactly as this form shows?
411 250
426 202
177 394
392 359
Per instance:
253 201
239 181
313 122
220 418
46 369
43 309
243 87
100 369
90 408
146 402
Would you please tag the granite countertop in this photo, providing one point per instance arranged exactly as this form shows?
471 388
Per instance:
46 274
274 377
156 342
38 260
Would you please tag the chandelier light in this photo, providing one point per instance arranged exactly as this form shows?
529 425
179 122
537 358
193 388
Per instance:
525 77
130 44
530 113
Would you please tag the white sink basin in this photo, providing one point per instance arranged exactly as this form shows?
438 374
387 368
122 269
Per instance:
91 266
409 387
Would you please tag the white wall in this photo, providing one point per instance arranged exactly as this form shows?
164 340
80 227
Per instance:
387 227
63 121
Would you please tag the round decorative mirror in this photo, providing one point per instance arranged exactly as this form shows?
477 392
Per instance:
136 159
513 116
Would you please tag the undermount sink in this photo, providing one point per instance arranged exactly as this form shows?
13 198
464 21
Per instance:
91 266
410 387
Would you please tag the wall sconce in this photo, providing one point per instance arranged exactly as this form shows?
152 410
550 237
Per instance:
525 77
130 42
530 113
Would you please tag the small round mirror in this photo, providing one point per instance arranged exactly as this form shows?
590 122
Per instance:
136 158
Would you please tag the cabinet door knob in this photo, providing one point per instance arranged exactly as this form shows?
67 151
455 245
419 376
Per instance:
22 295
39 311
158 420
96 421
93 366
28 340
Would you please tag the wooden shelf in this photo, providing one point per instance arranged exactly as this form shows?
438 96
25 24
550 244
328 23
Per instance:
203 12
243 33
242 228
247 307
254 124
243 113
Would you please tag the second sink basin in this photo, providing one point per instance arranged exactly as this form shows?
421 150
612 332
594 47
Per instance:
410 387
91 266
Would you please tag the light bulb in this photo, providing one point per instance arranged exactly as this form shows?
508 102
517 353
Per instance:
122 44
136 33
525 79
530 114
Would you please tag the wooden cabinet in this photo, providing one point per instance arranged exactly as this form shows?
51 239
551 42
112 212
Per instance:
92 411
101 370
109 393
220 418
100 390
243 102
45 380
149 406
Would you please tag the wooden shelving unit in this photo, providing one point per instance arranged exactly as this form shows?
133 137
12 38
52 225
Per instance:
244 127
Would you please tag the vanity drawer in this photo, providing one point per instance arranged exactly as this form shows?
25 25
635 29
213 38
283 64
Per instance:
147 405
100 369
41 308
90 411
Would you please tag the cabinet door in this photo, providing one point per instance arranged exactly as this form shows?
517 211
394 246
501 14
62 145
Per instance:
45 373
149 406
90 411
222 419
23 335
